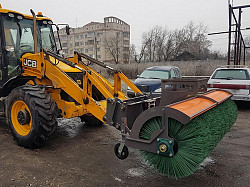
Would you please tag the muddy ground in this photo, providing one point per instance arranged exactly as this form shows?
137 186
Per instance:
83 156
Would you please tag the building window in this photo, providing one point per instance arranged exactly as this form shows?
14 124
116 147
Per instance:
63 38
64 45
82 36
91 42
77 44
98 49
90 34
71 45
126 42
86 50
98 56
126 49
126 34
91 49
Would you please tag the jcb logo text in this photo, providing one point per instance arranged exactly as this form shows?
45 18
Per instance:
30 63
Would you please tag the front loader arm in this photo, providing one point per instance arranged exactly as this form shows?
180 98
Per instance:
49 68
118 76
47 71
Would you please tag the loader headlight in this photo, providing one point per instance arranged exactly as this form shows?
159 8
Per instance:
129 88
19 17
11 15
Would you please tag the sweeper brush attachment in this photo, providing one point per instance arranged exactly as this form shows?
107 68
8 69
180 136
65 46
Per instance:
193 142
176 132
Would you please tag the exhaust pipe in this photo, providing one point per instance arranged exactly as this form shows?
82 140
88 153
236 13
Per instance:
34 30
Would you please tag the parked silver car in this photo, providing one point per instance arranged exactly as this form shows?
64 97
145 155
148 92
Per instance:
235 79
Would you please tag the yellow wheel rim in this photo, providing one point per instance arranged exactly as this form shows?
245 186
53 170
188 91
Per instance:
22 128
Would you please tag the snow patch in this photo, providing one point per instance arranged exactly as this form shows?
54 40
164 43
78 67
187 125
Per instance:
69 127
206 162
117 179
136 172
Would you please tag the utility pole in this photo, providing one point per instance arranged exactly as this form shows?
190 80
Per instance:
96 47
76 22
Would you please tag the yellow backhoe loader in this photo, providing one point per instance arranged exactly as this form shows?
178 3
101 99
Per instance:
38 85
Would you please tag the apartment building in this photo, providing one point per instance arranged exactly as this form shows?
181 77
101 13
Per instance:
107 42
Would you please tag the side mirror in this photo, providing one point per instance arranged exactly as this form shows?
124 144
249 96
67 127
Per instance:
67 29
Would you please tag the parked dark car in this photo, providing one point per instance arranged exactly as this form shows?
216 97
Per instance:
149 81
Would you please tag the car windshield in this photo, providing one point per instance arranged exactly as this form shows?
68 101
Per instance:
231 74
154 74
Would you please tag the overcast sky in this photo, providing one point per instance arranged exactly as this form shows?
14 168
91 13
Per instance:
141 15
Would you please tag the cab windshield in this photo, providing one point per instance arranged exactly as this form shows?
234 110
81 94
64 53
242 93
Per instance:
19 39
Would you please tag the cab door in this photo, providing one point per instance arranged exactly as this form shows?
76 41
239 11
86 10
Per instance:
3 56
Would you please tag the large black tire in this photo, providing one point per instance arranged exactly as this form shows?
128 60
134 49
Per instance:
91 120
31 115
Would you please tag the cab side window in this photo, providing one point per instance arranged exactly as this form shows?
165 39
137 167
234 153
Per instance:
172 73
177 73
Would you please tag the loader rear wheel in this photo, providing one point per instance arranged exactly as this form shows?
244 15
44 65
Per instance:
91 120
31 115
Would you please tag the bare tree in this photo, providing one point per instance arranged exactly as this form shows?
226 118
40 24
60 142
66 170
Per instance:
133 53
247 43
112 44
168 48
164 44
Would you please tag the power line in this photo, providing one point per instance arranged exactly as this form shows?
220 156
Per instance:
219 38
219 43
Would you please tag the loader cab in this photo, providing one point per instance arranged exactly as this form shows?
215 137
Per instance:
16 32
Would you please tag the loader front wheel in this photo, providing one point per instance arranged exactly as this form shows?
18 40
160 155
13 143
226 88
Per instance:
31 115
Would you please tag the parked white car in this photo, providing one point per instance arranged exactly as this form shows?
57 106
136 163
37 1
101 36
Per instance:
235 79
